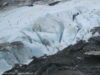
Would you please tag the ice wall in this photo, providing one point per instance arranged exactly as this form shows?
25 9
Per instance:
42 29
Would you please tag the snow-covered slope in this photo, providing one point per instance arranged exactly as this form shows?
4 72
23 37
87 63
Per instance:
42 29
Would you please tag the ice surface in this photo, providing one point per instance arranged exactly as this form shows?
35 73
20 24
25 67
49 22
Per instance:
42 29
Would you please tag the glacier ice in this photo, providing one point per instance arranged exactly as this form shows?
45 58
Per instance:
34 31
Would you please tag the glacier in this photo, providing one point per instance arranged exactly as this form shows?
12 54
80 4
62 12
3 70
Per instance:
44 30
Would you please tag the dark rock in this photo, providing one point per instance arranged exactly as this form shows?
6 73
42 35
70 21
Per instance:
4 3
54 3
79 46
91 47
96 29
95 40
17 43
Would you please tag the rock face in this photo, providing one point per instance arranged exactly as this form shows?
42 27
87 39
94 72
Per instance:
70 61
17 2
24 2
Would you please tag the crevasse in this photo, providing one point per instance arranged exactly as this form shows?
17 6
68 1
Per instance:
35 31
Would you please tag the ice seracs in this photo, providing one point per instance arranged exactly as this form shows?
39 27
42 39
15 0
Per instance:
43 29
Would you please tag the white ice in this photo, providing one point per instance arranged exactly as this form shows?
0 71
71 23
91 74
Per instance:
43 29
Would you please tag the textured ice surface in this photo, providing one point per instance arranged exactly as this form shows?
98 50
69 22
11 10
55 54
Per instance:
42 29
